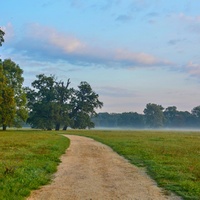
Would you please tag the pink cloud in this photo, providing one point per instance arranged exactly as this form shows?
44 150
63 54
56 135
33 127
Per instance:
49 42
193 68
68 43
190 19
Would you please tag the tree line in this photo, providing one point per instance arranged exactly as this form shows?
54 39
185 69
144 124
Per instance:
48 104
154 116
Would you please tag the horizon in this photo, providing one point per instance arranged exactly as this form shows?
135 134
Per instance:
131 52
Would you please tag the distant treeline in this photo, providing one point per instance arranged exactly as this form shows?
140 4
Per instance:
155 116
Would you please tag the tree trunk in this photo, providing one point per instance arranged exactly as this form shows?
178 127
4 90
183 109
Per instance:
65 128
4 127
57 127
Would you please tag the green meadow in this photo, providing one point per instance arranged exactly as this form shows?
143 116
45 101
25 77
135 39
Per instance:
172 159
27 160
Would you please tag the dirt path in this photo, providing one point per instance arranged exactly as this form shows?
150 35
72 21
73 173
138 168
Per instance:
92 171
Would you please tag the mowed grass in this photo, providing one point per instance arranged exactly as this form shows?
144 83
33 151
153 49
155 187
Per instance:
171 158
27 160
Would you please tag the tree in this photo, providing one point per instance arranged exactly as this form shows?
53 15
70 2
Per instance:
1 37
13 74
41 102
84 102
196 111
63 106
53 104
196 114
154 116
7 103
13 104
171 115
49 103
130 119
106 119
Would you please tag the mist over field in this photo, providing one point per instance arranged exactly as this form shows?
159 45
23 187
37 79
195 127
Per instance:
175 129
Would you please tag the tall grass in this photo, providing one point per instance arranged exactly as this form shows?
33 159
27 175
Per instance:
27 160
171 158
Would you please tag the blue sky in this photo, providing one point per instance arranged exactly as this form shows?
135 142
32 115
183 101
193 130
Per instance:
132 52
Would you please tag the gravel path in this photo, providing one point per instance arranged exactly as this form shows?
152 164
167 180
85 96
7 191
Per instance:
92 171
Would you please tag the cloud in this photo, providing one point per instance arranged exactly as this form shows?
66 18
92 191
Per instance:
123 18
151 17
193 22
190 19
49 36
175 41
193 69
9 32
102 5
46 43
109 91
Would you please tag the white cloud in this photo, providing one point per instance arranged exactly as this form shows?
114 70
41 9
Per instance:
9 32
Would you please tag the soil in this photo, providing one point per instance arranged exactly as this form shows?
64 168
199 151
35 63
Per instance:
92 171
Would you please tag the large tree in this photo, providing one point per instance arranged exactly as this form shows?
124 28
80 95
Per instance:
49 103
84 103
41 102
53 104
7 103
154 116
13 103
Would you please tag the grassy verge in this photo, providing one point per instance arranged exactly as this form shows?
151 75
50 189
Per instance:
171 158
27 160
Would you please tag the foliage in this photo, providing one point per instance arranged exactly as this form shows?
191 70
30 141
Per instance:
7 103
171 158
132 120
53 104
28 159
1 37
41 102
123 120
153 115
13 107
84 102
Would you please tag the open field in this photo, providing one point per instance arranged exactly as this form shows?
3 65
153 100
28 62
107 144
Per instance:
27 160
171 158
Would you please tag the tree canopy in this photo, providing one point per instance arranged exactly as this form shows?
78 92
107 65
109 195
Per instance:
13 98
154 115
53 104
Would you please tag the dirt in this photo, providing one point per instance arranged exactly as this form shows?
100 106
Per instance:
92 171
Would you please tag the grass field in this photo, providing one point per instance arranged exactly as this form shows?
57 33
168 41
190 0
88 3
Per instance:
27 160
171 158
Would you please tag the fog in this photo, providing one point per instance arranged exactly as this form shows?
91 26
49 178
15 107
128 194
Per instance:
175 129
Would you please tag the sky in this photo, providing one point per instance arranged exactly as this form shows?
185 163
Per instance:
131 52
